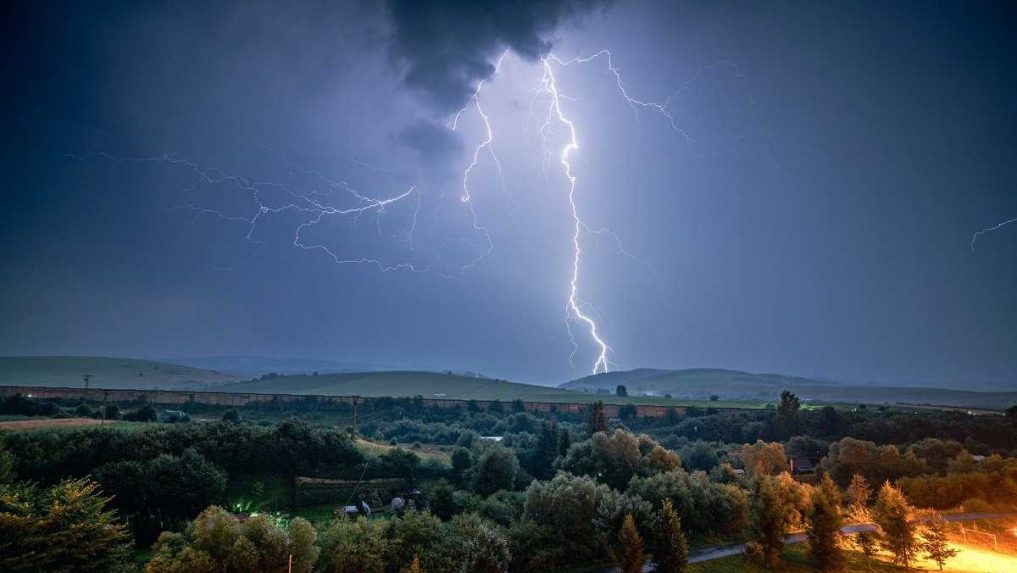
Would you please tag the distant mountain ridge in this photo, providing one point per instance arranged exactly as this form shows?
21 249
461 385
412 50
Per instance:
650 377
107 372
701 383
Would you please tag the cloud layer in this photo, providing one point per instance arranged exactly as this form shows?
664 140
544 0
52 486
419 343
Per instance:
449 45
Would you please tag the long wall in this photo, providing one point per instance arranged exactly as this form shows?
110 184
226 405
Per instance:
167 397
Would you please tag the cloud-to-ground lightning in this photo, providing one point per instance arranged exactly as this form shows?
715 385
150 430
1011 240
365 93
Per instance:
573 308
988 230
577 310
320 204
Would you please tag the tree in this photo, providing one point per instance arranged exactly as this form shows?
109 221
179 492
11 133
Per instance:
894 518
787 421
462 461
547 450
850 456
216 541
495 406
823 525
768 521
707 509
764 458
934 540
858 494
145 413
670 549
496 469
415 533
231 416
354 546
64 528
173 488
415 566
442 498
469 544
629 555
598 420
621 390
614 458
866 543
518 406
565 521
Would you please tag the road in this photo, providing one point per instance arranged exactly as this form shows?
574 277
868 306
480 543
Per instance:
722 551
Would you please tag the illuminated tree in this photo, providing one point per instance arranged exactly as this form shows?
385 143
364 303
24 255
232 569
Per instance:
764 458
858 494
894 518
866 543
671 550
66 527
823 526
629 555
769 522
934 540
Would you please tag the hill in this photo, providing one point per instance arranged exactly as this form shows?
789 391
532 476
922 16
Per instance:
700 383
69 371
404 383
254 366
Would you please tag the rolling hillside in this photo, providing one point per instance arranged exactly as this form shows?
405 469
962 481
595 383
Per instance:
69 371
404 383
700 383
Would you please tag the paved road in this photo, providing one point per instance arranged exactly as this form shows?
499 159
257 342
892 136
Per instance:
722 551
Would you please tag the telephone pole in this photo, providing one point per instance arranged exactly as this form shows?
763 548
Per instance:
356 401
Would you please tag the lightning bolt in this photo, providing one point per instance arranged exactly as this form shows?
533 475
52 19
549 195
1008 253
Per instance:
312 204
988 230
576 310
573 308
487 144
319 204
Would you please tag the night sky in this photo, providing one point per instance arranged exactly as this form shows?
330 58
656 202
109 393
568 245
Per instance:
809 212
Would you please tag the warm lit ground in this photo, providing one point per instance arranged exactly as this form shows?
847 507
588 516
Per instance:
969 560
976 554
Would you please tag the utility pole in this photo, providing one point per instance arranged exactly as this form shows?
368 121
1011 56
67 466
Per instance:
105 395
356 400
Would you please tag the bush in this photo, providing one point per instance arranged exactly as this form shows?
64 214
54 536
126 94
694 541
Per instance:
217 541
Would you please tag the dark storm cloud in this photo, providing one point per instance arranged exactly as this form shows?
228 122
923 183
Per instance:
449 45
429 139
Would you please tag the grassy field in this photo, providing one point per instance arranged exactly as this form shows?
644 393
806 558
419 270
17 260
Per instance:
69 372
47 423
425 451
738 385
440 385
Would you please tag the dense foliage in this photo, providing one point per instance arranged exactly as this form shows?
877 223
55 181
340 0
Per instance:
504 489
